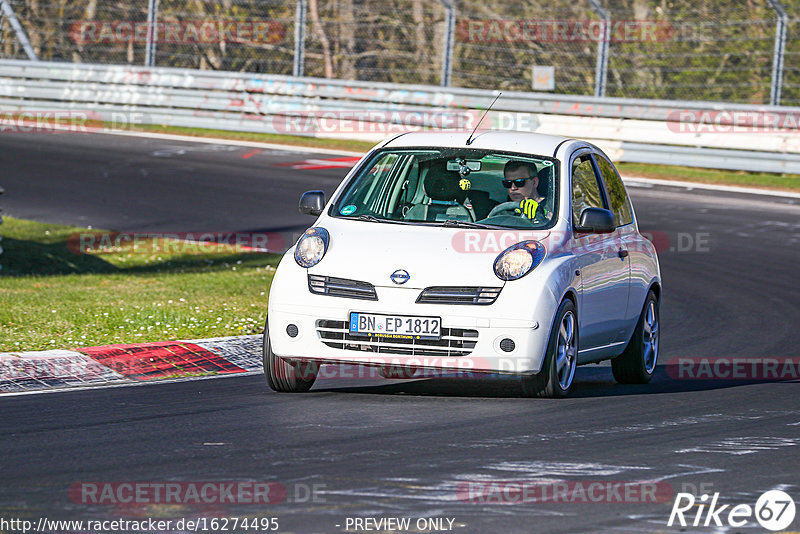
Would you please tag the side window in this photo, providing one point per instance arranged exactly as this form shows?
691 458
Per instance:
620 203
585 189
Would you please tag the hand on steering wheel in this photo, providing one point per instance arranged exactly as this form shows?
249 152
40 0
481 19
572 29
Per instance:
524 208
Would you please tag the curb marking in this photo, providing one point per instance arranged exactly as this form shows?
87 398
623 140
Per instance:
128 364
152 361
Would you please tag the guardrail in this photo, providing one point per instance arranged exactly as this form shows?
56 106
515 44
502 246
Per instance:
700 134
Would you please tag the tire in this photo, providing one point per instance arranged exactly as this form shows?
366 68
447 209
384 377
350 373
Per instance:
558 370
638 363
283 376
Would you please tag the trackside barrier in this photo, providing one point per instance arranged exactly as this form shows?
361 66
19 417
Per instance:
697 134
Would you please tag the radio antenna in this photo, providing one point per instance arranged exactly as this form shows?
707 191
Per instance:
470 139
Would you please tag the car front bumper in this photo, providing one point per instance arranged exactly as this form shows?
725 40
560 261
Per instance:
471 334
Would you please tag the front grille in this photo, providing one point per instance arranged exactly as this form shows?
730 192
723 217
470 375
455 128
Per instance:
341 287
481 296
454 341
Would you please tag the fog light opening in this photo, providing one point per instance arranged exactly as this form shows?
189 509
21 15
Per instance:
292 330
507 345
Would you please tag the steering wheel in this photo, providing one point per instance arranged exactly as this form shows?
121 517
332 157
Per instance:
512 209
506 208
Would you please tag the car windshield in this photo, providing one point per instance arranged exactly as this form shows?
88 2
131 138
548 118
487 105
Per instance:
453 187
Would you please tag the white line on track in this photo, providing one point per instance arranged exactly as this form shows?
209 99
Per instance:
235 142
126 383
649 182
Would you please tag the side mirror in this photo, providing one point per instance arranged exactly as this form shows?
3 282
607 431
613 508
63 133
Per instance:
312 203
597 220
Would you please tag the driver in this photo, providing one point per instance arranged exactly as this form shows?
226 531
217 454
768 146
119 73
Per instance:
521 179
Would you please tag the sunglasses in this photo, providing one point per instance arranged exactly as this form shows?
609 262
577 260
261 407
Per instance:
519 183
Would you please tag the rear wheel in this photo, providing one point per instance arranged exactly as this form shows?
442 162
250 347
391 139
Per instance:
638 363
283 376
558 370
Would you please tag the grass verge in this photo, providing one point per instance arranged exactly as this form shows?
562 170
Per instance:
53 297
293 140
781 182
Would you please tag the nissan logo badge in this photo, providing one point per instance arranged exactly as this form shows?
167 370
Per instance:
400 276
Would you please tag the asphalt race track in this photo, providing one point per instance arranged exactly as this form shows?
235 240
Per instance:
133 184
361 448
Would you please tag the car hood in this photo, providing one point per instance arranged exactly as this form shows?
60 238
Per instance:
432 255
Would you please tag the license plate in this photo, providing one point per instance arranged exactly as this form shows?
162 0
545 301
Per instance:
395 326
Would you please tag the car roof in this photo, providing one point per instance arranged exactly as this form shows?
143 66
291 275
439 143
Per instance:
524 142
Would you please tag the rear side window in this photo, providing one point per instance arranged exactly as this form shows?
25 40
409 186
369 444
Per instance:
585 189
620 203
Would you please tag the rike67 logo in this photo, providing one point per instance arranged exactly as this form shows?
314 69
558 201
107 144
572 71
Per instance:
774 510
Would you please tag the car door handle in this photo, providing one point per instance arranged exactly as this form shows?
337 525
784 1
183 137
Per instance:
623 253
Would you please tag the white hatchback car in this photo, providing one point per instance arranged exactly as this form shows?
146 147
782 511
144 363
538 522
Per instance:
516 253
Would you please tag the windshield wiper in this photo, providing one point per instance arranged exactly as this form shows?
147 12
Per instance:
464 224
370 218
450 222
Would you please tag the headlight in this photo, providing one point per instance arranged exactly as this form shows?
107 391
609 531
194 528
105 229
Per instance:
311 247
518 260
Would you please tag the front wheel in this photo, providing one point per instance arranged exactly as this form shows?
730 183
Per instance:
638 363
558 369
283 376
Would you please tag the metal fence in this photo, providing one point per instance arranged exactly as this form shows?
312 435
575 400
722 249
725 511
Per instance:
718 50
44 97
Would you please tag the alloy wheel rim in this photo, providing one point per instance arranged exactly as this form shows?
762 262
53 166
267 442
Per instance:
566 351
650 337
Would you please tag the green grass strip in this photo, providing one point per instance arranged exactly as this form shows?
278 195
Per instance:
53 297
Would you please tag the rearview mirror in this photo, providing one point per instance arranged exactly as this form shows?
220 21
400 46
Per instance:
312 203
455 165
597 220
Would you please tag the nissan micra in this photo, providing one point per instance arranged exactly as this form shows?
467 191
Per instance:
505 253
